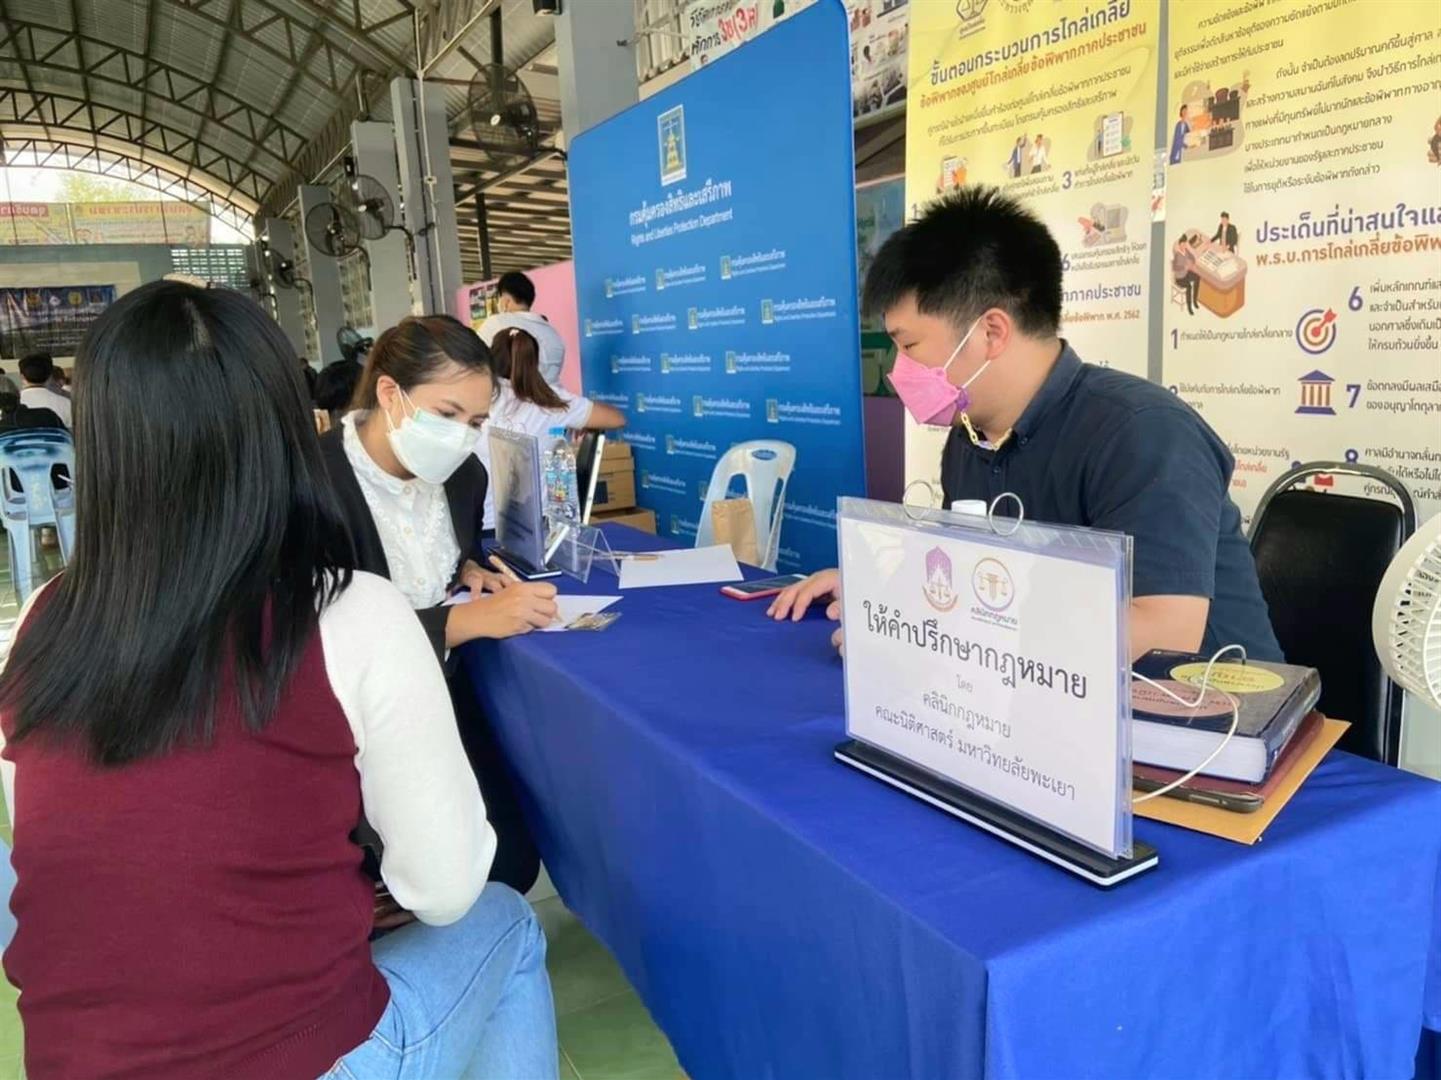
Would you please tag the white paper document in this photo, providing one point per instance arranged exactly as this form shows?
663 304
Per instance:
690 566
570 608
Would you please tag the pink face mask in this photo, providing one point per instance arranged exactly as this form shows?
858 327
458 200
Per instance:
926 393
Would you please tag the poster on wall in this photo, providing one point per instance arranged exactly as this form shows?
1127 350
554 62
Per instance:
880 30
1303 313
880 211
1055 103
34 223
53 318
139 223
715 266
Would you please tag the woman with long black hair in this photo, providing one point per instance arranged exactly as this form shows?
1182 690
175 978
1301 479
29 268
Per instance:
525 403
194 714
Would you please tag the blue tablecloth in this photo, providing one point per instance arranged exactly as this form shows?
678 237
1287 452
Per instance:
785 916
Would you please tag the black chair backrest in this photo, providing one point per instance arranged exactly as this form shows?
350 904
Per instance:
1321 558
587 470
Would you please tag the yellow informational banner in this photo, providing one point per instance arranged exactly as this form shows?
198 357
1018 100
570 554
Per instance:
1054 101
34 223
139 223
1303 316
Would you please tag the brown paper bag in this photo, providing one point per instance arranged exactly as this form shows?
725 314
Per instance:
734 523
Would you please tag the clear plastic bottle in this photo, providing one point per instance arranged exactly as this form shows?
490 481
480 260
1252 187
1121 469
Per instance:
562 497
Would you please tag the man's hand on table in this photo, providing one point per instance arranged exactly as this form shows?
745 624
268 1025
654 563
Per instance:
794 602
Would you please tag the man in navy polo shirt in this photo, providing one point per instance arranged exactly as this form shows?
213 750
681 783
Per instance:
971 294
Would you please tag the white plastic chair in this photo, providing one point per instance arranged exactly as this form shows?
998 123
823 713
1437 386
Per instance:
765 465
28 455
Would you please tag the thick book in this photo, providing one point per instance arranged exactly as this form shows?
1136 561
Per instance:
1272 700
1306 734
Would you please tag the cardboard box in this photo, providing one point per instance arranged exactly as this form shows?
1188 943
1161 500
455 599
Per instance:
615 487
616 452
644 520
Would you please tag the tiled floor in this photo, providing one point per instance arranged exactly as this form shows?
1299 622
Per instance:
605 1032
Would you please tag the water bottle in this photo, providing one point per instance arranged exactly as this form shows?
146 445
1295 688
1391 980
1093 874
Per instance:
562 498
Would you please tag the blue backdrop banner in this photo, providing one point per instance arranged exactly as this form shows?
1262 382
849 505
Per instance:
715 265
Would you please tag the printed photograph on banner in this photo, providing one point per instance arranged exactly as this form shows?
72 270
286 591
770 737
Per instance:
1303 227
880 32
1055 104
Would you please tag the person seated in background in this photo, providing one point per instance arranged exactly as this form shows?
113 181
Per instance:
37 369
528 404
335 386
971 295
194 715
517 294
15 415
404 467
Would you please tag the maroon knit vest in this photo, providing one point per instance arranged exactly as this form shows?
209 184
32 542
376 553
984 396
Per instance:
200 913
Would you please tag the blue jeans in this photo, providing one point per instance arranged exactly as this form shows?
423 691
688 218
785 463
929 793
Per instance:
469 999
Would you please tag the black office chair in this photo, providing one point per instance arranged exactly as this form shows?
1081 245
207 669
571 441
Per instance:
588 452
1321 558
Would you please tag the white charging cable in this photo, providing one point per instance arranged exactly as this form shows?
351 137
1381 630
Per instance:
1205 685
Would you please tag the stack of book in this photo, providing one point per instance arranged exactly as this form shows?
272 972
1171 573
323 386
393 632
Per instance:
1278 739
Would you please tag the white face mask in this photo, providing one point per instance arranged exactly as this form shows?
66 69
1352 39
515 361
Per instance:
430 446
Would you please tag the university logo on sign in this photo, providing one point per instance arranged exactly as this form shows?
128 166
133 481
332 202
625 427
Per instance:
665 363
670 444
670 130
587 328
644 478
768 312
635 324
659 280
939 589
1315 394
730 363
773 411
640 403
697 406
609 289
725 267
614 364
703 489
692 319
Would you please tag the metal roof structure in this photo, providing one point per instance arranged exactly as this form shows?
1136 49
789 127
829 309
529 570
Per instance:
237 102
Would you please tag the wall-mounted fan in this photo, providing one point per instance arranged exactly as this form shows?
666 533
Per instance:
502 115
333 230
281 270
366 198
353 344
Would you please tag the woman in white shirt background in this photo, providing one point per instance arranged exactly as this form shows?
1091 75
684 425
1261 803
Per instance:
528 405
404 469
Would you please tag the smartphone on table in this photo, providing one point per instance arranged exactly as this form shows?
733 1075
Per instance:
757 590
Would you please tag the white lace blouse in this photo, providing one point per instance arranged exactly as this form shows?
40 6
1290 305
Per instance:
413 520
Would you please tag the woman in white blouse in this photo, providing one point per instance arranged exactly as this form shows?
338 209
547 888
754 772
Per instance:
528 405
404 469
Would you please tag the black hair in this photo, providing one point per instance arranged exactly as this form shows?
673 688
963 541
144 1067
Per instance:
335 386
1225 215
207 537
972 249
9 401
418 350
517 286
1183 110
37 367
